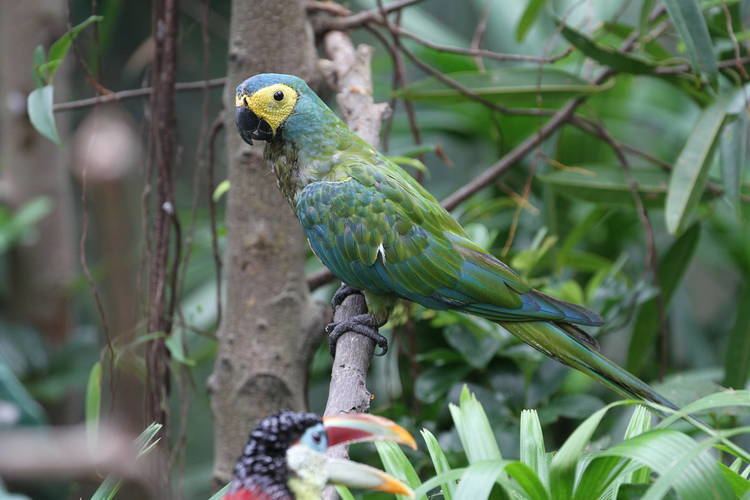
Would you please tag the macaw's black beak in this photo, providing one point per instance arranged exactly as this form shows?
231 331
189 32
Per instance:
251 127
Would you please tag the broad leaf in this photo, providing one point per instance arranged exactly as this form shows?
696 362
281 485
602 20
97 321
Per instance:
607 56
688 19
680 461
532 445
529 16
516 87
434 382
17 405
144 443
223 491
735 156
39 106
563 465
609 185
93 405
474 429
737 360
690 171
60 48
478 480
440 463
672 267
396 464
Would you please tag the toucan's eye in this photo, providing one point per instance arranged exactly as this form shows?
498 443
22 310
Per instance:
317 437
278 95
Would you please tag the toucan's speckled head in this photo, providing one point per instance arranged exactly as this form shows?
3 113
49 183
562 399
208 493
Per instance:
285 459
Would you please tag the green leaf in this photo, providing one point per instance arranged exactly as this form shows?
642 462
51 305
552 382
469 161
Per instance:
530 483
529 16
474 429
17 404
60 48
688 19
433 383
221 189
713 401
517 87
344 493
93 404
608 185
144 443
476 346
22 221
739 484
608 473
219 495
533 453
175 345
640 422
737 359
39 106
646 8
478 479
563 465
672 267
440 463
735 155
396 464
38 58
681 462
607 56
690 171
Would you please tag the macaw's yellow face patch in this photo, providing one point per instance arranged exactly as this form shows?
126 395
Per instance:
273 104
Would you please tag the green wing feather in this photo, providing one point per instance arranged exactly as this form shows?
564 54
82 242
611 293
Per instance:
378 230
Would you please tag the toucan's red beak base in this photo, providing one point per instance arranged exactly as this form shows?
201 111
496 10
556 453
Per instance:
359 427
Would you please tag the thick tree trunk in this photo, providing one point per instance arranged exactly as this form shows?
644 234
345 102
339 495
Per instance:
269 327
41 269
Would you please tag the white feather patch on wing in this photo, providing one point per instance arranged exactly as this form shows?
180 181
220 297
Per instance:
381 251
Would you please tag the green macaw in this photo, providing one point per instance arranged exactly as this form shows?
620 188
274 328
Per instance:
381 232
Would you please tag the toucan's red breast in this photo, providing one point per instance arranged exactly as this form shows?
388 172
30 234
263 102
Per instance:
245 494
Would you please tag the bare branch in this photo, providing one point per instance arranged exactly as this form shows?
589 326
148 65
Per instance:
516 154
482 53
360 19
64 452
478 36
135 93
350 70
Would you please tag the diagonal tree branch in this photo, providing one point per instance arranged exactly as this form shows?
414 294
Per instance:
349 72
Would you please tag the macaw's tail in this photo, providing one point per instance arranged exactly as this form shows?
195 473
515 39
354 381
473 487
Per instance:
569 345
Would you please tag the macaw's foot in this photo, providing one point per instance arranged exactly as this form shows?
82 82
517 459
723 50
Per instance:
342 293
363 324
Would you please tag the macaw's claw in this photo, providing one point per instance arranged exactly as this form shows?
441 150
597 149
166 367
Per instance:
342 293
363 324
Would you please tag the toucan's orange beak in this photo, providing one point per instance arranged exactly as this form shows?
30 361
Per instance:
359 427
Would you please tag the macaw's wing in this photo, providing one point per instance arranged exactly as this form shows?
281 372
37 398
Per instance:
482 274
380 231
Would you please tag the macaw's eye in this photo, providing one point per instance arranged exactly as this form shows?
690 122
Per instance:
278 95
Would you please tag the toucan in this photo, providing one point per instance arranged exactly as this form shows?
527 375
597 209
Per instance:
285 457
